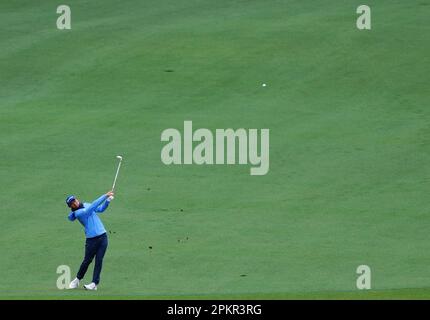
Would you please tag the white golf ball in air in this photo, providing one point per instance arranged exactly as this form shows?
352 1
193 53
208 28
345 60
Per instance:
263 84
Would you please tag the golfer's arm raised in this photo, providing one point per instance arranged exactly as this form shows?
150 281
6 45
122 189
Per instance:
93 205
101 208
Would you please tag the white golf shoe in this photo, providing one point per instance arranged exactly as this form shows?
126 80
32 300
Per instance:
91 286
74 284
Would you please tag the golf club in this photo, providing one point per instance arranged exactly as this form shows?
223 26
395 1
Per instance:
117 171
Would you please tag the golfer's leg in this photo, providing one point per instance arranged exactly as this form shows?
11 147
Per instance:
90 252
99 259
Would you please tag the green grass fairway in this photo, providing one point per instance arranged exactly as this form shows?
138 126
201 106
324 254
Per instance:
348 113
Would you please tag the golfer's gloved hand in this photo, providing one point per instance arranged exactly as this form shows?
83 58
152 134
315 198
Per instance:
110 198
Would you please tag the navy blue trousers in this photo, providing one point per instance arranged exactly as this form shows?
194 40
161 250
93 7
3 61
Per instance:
94 247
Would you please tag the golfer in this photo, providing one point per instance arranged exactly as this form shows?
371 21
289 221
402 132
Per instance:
96 238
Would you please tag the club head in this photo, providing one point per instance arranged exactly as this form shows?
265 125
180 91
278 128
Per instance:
119 157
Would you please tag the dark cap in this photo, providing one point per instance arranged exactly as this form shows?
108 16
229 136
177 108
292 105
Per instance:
69 200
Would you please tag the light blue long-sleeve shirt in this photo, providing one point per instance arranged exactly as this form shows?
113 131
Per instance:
88 216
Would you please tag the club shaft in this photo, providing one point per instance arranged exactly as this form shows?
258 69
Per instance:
116 175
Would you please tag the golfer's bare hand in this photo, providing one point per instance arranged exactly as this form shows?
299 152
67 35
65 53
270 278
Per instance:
110 194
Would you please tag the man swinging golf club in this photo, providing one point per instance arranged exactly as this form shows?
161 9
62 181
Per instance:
96 239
